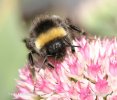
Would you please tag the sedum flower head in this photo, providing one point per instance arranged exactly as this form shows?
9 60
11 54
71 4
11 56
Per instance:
88 74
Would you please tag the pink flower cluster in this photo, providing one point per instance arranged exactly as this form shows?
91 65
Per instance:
88 74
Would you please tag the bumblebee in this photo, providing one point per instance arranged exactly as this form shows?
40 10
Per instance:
50 36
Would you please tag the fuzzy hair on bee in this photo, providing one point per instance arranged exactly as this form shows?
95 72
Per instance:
50 36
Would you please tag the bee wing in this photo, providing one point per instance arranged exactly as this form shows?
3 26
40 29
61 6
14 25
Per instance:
75 30
38 61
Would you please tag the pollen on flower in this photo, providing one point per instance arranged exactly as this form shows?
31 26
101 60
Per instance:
88 74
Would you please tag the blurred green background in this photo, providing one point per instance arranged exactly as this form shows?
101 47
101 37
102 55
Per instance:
95 16
12 51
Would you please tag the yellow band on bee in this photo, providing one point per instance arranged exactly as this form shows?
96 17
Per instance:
49 35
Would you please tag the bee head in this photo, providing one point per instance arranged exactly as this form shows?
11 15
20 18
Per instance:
56 48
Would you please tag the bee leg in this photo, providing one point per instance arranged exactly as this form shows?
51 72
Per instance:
72 46
72 49
45 61
69 44
30 59
32 69
42 63
50 65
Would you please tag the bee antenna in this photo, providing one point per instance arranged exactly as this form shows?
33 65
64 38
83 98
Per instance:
72 46
76 46
69 44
